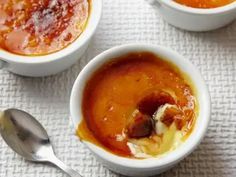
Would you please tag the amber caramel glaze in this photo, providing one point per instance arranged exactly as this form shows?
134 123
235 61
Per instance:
113 92
40 27
204 4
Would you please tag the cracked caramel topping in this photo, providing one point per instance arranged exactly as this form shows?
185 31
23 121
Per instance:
120 98
40 27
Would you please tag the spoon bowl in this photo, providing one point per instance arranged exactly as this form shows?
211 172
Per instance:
28 138
30 142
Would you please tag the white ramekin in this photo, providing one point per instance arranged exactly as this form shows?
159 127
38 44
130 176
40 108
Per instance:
194 19
152 166
45 65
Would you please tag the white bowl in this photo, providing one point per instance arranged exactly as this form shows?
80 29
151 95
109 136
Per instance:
36 66
152 166
194 19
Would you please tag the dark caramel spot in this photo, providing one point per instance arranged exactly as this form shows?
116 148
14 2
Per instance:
140 126
150 103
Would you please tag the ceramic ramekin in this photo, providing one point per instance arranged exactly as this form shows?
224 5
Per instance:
194 19
152 166
45 65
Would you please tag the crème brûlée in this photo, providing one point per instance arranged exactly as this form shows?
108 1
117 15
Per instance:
138 106
40 27
205 4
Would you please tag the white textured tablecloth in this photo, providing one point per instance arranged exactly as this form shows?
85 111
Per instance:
127 21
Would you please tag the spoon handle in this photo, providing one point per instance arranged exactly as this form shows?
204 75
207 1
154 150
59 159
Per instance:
64 167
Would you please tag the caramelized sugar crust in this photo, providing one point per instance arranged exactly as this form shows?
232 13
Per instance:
134 81
39 27
205 4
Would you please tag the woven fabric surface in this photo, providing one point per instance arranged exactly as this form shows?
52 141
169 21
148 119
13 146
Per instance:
213 53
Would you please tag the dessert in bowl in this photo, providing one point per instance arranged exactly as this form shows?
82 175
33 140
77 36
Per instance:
140 108
39 38
205 4
197 15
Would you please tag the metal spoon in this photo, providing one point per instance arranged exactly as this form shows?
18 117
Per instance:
27 137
